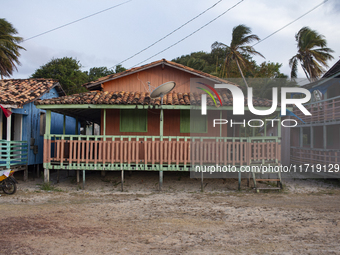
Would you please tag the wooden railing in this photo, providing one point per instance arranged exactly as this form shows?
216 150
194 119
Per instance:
13 153
324 110
154 152
299 155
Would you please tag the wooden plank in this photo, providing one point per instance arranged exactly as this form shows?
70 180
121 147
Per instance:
125 151
120 159
95 143
62 152
83 150
186 150
100 150
88 145
161 143
79 148
91 143
70 151
137 152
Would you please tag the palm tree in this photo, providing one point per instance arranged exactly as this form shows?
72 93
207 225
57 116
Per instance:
312 54
239 48
9 48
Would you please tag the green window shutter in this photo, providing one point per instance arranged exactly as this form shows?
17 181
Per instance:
185 121
196 124
133 120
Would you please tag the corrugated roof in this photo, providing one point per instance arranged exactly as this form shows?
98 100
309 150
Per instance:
143 98
22 91
96 84
333 70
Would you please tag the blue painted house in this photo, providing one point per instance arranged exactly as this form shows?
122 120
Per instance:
22 133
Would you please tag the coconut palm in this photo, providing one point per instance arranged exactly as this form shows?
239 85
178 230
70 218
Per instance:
239 48
312 54
9 48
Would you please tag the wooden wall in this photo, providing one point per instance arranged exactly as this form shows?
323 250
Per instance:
156 76
171 125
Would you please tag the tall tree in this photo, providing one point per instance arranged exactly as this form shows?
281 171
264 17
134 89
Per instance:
239 48
9 48
313 54
67 71
98 72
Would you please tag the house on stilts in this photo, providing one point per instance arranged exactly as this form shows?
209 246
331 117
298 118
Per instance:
139 133
315 141
22 125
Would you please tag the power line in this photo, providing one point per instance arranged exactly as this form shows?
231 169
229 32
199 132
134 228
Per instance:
169 33
77 20
191 33
291 22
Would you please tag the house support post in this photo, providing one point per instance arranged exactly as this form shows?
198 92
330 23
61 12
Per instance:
239 180
8 128
202 184
83 179
47 133
161 138
58 175
46 175
160 180
102 173
26 173
77 177
122 179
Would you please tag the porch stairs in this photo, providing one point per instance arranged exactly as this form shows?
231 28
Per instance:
259 177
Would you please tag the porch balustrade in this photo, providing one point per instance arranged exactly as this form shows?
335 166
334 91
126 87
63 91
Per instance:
13 153
155 152
299 155
324 110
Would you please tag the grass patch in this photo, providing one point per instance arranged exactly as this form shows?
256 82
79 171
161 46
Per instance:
48 187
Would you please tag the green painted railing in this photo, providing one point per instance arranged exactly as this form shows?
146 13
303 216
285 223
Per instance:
13 153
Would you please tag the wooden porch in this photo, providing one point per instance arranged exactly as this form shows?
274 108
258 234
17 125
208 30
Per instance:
155 153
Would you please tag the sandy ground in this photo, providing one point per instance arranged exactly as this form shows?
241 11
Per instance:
304 218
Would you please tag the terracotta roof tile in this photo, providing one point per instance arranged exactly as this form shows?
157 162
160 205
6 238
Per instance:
22 91
143 98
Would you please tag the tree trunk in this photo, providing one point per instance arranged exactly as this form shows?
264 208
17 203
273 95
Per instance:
239 68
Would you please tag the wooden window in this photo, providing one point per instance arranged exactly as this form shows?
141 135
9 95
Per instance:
133 120
42 123
196 124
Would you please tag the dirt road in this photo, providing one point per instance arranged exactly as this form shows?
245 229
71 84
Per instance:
303 219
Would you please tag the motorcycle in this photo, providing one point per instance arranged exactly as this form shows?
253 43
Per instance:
7 182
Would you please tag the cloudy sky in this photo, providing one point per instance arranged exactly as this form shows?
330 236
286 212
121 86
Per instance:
112 36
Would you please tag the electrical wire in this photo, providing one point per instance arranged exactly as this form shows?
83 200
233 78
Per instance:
168 34
291 22
190 34
77 20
